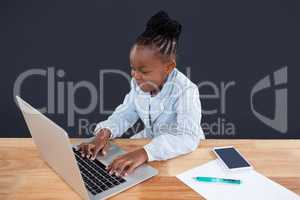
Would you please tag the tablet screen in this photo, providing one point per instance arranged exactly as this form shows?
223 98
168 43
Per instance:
232 158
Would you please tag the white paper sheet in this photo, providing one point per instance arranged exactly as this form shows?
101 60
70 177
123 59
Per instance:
253 186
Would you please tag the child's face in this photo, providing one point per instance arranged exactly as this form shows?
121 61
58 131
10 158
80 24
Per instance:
148 68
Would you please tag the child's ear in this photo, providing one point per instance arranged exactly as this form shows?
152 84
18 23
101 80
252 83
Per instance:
170 66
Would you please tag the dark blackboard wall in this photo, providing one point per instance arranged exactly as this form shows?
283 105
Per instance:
227 47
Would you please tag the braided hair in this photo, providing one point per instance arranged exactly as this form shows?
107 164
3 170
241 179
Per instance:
162 33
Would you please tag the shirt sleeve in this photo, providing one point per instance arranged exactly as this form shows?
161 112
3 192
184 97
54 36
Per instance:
183 136
122 118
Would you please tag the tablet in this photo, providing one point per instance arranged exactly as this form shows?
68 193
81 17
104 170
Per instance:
231 158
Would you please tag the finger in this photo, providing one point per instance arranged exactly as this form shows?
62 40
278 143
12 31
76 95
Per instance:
85 151
104 149
89 150
130 169
81 149
109 167
114 166
124 170
96 151
121 167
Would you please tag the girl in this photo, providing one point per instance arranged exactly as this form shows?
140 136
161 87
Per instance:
162 97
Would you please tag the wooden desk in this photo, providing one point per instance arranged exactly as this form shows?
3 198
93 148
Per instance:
24 176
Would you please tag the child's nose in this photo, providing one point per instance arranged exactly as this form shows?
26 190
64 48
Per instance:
136 75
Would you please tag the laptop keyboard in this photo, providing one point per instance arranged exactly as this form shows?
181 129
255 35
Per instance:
95 176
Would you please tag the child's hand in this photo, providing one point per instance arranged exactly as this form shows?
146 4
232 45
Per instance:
125 164
98 145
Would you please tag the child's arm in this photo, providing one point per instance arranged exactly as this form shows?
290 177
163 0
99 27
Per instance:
122 118
184 137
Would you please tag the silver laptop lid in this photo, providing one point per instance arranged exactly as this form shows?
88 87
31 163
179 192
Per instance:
54 146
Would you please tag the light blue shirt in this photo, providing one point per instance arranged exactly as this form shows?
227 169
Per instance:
172 118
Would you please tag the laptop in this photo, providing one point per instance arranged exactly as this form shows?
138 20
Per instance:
88 178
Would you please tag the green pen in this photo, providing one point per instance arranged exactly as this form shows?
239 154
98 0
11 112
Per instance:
218 180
